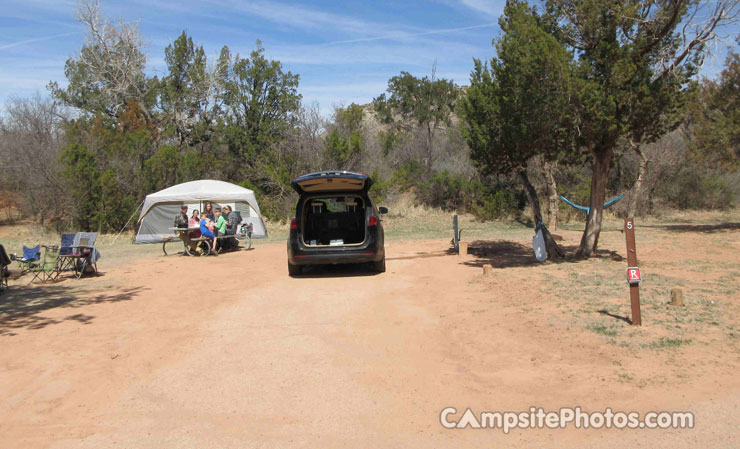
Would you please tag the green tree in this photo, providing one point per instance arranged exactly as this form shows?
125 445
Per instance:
714 118
633 64
520 107
426 102
113 207
344 144
185 91
261 101
82 175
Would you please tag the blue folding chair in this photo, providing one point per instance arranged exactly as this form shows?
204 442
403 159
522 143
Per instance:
30 259
66 253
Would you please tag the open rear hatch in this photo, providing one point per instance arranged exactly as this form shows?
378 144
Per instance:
331 181
334 221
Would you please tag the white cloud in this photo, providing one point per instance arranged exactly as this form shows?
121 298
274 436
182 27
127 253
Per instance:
491 7
302 17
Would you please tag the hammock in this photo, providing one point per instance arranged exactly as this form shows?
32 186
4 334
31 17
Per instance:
588 209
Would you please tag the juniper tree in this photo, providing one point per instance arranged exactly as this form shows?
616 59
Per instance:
520 107
634 58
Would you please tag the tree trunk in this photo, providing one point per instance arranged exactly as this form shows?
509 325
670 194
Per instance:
632 207
590 239
552 195
429 148
553 250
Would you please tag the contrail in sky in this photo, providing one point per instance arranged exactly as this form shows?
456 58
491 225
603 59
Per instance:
402 35
37 39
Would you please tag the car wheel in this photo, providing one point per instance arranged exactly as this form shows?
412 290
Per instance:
294 270
379 266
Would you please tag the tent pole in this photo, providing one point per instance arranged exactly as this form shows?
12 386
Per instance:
127 222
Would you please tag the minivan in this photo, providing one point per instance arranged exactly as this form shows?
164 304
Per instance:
335 222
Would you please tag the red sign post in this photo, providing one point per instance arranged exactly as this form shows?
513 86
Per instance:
633 271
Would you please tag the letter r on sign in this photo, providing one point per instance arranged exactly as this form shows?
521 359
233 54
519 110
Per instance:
633 275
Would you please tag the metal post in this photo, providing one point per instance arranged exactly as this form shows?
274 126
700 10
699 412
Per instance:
456 237
633 271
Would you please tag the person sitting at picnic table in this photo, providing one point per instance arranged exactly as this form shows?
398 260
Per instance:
231 226
182 222
208 211
181 219
194 219
205 230
220 225
231 221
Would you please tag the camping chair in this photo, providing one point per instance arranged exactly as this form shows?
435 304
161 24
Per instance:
67 253
86 254
49 267
30 258
4 263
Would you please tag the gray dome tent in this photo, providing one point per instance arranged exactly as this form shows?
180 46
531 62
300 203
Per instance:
160 208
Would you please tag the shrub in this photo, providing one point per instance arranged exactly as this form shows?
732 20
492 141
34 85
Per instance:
690 189
379 189
408 175
502 203
450 192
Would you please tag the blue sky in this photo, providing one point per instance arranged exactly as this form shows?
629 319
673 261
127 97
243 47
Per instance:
344 51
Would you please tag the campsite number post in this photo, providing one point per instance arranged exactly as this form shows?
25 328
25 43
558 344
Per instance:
633 271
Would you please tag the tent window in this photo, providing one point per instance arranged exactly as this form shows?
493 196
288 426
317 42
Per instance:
243 209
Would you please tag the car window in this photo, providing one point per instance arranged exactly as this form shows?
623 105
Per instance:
338 204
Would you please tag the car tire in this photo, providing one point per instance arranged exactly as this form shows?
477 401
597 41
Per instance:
379 266
294 270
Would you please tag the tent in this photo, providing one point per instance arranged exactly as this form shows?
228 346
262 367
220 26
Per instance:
160 208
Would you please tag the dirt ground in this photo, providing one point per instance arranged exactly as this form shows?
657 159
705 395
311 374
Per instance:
229 351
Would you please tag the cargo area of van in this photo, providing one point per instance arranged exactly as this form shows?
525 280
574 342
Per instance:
334 221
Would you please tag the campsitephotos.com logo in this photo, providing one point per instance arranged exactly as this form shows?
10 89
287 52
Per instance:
538 418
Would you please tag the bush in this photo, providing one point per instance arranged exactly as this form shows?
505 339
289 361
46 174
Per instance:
408 175
690 189
379 189
502 203
457 193
450 192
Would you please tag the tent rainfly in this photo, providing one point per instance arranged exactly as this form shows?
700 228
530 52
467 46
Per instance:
160 208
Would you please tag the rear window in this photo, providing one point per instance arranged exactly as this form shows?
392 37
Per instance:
334 204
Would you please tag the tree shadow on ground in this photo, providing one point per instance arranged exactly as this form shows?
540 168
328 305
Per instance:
698 228
500 254
424 255
22 307
509 254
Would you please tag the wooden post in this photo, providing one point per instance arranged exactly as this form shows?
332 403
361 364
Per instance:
633 271
462 249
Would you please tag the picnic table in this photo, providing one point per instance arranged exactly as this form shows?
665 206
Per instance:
204 246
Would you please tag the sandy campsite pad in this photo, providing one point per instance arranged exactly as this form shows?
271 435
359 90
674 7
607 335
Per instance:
231 352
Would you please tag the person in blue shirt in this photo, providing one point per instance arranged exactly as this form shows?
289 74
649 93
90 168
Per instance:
205 230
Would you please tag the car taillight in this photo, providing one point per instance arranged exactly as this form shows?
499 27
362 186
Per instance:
373 221
293 223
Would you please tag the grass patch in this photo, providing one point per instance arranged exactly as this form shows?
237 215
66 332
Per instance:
665 343
603 330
